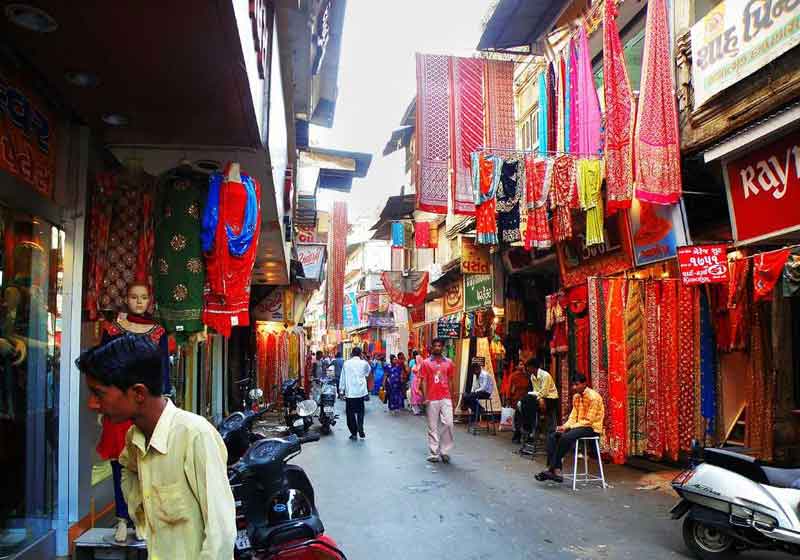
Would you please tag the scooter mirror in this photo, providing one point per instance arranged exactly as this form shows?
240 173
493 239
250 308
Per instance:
256 394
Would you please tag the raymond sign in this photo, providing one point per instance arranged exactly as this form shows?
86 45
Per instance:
764 190
737 38
27 135
474 258
703 264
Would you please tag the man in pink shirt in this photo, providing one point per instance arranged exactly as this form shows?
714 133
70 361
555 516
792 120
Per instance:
438 379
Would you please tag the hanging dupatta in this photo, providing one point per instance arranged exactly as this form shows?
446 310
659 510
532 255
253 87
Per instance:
573 97
655 393
636 379
486 172
687 298
466 127
537 181
668 334
658 156
563 196
542 123
617 408
560 109
589 117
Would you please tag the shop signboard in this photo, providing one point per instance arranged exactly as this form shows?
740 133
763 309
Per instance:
764 190
449 326
381 320
271 308
454 298
658 230
703 264
27 134
474 258
477 291
738 37
350 318
311 256
305 233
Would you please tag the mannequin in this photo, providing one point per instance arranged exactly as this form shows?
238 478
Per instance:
134 322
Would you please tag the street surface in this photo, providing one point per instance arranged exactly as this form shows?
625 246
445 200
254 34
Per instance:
379 498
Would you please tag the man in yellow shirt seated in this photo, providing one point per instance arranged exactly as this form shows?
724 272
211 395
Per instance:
585 420
174 474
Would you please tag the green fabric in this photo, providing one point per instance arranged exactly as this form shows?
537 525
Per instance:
178 267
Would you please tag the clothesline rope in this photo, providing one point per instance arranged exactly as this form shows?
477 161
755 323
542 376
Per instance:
794 246
534 152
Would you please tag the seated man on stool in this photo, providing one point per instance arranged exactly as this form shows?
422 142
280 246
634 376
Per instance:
585 420
544 389
482 386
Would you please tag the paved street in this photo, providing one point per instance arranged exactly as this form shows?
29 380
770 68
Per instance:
379 498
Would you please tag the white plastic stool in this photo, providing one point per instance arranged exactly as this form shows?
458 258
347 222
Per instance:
585 477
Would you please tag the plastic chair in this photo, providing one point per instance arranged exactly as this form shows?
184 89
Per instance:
487 413
585 477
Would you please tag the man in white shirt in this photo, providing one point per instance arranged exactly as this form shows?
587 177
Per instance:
353 387
482 388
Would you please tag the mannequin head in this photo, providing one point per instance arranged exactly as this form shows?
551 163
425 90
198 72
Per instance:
138 298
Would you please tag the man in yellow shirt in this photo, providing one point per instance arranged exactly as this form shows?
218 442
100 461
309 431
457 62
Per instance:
174 475
544 389
585 420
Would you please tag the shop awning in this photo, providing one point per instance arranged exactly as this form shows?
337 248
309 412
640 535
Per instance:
396 208
401 138
520 23
337 168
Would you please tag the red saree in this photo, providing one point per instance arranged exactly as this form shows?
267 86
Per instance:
617 405
668 335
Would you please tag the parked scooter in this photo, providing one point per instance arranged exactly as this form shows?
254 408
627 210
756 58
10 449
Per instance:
732 503
324 395
298 410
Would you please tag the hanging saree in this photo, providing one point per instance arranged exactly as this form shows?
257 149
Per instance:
500 131
542 123
589 117
636 379
486 172
573 100
508 198
708 367
294 356
597 290
466 127
398 234
552 107
590 182
658 157
617 404
338 261
422 235
668 335
433 132
619 116
655 393
687 304
283 357
568 85
560 109
767 270
738 304
261 362
563 196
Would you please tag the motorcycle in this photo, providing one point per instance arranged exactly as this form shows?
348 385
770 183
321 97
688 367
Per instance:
732 502
324 395
298 410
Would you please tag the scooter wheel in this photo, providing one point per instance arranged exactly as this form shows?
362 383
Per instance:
706 542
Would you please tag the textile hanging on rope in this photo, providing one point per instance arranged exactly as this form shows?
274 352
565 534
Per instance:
617 408
668 365
406 289
590 183
262 372
738 304
486 172
283 357
619 116
398 234
338 260
563 196
637 378
767 270
687 305
655 392
708 367
466 127
597 289
569 85
552 107
573 100
508 199
500 130
560 109
589 117
542 122
658 157
422 235
433 132
537 184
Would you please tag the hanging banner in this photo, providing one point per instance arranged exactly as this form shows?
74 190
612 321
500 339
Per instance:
764 190
738 37
449 326
658 230
27 134
311 256
703 264
477 291
474 258
454 297
417 313
272 307
350 318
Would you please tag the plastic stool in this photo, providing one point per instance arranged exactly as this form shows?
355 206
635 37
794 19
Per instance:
585 476
486 413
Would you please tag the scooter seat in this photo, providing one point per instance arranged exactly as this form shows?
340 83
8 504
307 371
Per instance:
782 478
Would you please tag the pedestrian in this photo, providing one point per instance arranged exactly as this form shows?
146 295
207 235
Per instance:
353 388
338 364
393 382
414 382
174 464
438 379
585 420
320 367
377 368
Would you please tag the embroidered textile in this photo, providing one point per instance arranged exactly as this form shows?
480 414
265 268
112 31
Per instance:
738 304
560 109
598 340
568 94
338 253
619 116
589 118
617 380
537 184
552 107
499 83
708 367
486 172
422 235
283 357
658 158
563 196
508 200
590 182
637 378
687 298
573 100
466 127
655 393
542 123
433 132
398 234
668 336
767 270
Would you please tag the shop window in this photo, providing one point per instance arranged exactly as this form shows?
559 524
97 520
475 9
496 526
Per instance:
31 275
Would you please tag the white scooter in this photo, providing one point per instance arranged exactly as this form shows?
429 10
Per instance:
733 503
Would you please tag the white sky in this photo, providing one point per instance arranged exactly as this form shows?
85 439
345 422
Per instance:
377 80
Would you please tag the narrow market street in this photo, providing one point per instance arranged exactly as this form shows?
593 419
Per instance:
379 494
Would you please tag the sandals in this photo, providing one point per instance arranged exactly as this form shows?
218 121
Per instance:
547 475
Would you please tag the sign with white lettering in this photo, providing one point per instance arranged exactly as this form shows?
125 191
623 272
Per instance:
703 264
764 190
737 38
474 257
478 289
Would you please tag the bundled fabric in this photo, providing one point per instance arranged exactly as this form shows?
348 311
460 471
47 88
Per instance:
230 229
537 185
398 234
422 235
466 127
433 132
563 196
486 171
589 117
338 254
767 270
589 178
508 199
406 288
658 157
619 116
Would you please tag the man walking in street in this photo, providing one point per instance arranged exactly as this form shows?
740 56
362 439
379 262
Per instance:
338 364
585 420
174 472
438 380
353 387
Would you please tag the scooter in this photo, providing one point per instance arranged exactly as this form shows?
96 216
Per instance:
324 395
732 502
298 410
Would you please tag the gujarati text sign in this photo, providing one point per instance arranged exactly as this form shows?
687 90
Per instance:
703 264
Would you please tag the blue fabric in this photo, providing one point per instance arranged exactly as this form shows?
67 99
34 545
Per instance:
398 234
395 384
211 213
542 113
119 499
238 245
378 369
485 238
708 366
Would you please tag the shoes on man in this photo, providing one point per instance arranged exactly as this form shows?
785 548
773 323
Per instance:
362 434
433 458
353 437
445 458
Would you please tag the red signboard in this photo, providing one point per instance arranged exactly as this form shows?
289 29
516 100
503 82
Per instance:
764 190
703 264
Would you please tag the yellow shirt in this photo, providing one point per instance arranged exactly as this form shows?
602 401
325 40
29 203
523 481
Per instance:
177 488
587 411
543 385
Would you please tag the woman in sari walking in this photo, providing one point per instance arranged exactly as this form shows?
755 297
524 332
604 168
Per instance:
393 381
